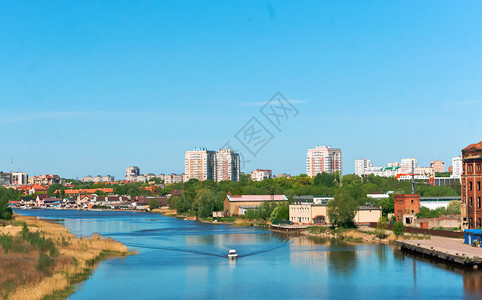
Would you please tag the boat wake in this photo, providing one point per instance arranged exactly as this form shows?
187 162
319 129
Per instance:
176 249
223 253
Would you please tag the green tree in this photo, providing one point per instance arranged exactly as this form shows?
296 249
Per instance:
5 209
342 209
205 201
453 208
184 203
280 213
51 190
261 212
324 179
387 205
380 231
171 202
398 228
100 193
153 204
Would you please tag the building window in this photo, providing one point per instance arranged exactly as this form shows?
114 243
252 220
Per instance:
470 186
479 223
470 201
478 185
471 223
478 202
478 168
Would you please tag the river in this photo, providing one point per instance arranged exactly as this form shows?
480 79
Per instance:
187 259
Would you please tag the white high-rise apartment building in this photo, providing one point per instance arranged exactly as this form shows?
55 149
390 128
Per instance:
457 167
19 178
261 174
132 172
226 163
361 165
323 159
199 164
407 164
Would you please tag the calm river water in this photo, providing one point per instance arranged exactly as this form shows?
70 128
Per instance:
187 259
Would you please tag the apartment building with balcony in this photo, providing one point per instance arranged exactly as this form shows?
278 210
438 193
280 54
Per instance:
323 159
199 164
226 165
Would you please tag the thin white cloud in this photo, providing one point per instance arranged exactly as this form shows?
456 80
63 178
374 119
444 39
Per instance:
15 117
261 103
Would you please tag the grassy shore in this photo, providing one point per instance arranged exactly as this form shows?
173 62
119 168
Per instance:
43 260
362 235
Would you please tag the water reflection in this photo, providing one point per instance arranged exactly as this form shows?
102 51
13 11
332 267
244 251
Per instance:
342 259
473 282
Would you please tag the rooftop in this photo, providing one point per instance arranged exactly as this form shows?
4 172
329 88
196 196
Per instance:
256 198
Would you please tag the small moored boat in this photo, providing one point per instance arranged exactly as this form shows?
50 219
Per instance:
232 254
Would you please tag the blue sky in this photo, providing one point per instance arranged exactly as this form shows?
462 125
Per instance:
91 87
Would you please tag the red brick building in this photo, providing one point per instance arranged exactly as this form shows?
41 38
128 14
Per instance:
406 204
471 209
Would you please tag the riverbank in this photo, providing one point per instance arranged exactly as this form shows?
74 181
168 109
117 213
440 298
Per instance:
42 259
362 235
235 221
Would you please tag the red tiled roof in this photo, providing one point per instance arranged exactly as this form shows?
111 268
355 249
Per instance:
88 191
477 146
38 187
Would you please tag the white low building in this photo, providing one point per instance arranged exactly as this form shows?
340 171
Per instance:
261 174
437 202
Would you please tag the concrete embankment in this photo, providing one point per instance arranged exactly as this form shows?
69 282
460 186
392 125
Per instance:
447 249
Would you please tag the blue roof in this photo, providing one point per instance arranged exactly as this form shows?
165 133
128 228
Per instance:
476 231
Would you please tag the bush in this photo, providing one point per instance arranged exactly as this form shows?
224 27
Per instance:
153 204
280 213
316 229
7 215
398 228
381 227
39 242
44 262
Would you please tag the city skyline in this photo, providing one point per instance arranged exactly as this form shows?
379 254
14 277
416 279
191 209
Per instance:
363 81
398 161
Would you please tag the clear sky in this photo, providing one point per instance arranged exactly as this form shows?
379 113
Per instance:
91 87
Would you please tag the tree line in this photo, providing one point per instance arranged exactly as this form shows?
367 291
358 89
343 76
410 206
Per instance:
204 197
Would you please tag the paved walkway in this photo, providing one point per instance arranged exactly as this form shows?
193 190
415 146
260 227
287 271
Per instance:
447 245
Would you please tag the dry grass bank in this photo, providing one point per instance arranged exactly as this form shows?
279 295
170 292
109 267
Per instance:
165 212
29 271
